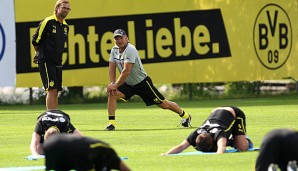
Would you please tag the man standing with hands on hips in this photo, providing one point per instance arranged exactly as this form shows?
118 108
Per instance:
133 80
49 42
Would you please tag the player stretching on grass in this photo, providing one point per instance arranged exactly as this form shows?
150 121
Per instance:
69 152
49 123
213 135
133 80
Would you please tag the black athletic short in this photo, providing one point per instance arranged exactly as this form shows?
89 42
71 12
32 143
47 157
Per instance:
51 76
145 89
239 127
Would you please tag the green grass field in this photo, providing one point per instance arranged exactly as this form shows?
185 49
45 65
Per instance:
143 133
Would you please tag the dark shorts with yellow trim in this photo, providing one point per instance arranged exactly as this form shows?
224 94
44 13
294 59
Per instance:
226 120
51 76
145 89
239 127
223 118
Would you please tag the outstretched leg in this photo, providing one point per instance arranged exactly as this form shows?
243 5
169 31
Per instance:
185 118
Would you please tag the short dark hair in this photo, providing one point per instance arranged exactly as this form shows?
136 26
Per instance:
204 142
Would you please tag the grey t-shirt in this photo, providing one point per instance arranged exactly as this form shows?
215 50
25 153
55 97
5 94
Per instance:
130 55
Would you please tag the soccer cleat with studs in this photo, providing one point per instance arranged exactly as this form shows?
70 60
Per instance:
273 167
186 122
292 166
110 127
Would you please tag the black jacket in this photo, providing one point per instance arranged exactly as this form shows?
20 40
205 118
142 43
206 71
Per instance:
51 36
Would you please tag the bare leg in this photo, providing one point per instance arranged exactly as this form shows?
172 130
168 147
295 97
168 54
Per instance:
112 105
112 102
240 142
166 104
185 118
52 99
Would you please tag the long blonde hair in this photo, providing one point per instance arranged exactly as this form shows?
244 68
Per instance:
58 4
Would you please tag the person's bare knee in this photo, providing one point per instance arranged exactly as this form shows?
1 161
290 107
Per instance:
166 104
112 97
240 142
53 93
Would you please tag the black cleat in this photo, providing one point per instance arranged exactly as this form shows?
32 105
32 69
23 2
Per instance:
186 122
110 127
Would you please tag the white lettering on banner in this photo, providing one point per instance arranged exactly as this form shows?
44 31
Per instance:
7 44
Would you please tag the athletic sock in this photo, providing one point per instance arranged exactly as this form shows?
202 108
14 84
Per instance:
112 120
184 115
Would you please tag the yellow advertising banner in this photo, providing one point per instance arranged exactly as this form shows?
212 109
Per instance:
179 41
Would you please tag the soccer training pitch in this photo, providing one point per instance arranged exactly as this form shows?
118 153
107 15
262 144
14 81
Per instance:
143 133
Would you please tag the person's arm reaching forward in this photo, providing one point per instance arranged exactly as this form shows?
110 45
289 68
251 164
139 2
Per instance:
179 148
35 145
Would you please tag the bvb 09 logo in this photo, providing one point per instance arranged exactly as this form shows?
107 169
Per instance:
272 36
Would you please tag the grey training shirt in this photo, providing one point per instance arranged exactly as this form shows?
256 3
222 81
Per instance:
130 55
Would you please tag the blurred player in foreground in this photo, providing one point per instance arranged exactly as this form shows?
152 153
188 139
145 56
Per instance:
133 80
213 135
69 152
279 149
49 123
